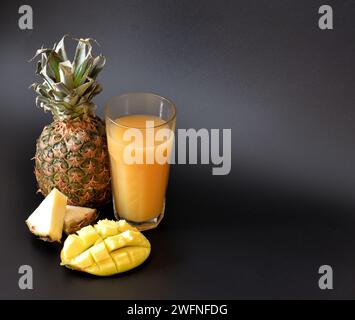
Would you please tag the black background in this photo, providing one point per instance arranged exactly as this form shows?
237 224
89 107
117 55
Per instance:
262 68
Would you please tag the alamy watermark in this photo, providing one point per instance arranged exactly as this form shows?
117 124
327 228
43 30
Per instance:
325 21
25 22
25 281
325 282
161 146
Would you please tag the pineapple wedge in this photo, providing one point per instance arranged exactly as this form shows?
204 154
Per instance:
46 221
107 248
77 217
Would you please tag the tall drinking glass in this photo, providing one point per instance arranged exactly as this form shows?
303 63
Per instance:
140 134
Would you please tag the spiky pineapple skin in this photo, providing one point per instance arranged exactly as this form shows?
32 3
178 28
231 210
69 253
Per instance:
72 156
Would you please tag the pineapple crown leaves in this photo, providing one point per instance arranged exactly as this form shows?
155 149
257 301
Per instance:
68 86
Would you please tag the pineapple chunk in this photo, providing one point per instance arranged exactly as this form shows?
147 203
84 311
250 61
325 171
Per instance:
77 217
104 250
47 220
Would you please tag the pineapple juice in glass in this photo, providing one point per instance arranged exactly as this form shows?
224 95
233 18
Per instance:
140 134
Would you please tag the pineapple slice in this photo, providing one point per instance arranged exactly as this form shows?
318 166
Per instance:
47 220
104 249
77 217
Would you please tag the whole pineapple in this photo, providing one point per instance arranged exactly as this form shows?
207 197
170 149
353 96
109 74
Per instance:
71 152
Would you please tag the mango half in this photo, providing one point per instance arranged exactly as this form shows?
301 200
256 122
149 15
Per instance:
107 248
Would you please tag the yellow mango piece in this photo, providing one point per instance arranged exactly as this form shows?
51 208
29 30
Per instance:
82 261
99 252
73 246
105 249
107 267
129 257
122 260
104 268
88 235
138 254
98 241
123 226
106 228
126 238
93 269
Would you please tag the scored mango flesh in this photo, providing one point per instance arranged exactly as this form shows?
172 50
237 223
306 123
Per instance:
107 248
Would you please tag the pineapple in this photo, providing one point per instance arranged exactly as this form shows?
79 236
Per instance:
105 249
77 217
47 220
71 152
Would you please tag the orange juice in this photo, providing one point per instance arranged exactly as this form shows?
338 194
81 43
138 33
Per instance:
138 187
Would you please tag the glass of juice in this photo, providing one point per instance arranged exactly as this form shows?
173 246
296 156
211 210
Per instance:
140 133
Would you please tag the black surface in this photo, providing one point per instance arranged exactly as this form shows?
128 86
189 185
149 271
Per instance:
262 68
